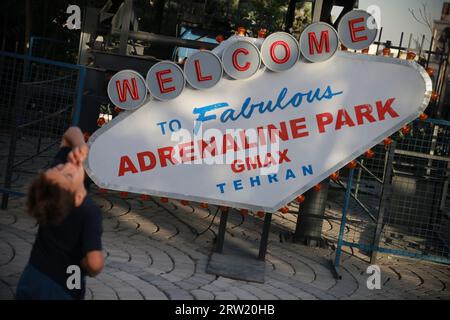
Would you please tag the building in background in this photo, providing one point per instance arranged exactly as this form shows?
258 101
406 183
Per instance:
440 27
441 36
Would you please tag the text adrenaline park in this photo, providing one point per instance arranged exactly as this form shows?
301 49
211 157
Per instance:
262 144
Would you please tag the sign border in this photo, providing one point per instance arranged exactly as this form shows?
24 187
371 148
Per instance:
291 197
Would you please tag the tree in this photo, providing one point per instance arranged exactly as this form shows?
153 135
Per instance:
424 17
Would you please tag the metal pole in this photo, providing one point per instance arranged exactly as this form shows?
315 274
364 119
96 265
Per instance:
429 52
379 40
400 45
264 237
421 45
443 87
383 203
318 4
12 147
358 178
125 28
311 215
348 192
221 234
79 96
409 43
166 40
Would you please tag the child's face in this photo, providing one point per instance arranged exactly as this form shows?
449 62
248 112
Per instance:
68 176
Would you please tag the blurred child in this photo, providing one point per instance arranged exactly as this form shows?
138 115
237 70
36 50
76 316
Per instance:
70 227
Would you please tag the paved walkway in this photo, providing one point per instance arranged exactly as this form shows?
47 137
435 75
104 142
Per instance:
160 250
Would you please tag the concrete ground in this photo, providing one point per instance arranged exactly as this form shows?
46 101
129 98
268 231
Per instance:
160 250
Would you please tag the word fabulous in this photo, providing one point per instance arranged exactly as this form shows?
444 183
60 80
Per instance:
240 58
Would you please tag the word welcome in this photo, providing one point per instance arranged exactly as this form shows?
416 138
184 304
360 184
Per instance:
240 58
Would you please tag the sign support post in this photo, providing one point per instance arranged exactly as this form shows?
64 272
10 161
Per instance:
310 216
264 237
387 183
337 259
221 235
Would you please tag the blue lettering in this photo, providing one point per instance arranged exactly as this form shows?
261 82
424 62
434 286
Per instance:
272 178
296 100
247 114
238 185
281 96
248 108
290 174
255 181
171 126
307 170
201 111
161 124
221 186
228 115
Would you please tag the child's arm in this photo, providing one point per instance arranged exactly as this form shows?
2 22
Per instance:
93 263
73 137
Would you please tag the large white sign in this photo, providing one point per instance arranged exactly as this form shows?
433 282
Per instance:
217 146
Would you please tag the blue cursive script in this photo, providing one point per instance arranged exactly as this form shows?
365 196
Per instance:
248 108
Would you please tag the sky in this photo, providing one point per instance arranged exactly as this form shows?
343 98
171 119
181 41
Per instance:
395 17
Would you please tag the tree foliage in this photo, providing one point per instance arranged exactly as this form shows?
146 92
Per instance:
46 18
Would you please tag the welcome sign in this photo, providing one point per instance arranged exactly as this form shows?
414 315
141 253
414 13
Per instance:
254 124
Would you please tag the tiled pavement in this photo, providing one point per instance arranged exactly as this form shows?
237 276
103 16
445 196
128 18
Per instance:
160 250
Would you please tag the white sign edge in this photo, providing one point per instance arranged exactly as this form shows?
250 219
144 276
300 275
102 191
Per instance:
372 143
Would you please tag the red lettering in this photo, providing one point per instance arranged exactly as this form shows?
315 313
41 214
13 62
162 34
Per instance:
141 159
323 119
126 165
122 90
211 147
162 82
244 141
281 133
269 160
236 64
200 77
343 119
187 151
283 156
387 108
354 30
364 111
237 166
253 163
229 143
296 128
262 136
324 40
165 154
287 52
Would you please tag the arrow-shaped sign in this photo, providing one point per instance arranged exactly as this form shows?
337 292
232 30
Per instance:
261 142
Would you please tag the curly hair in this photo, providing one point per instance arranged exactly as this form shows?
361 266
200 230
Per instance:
47 202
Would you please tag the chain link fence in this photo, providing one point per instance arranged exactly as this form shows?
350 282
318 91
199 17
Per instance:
398 202
53 49
40 100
